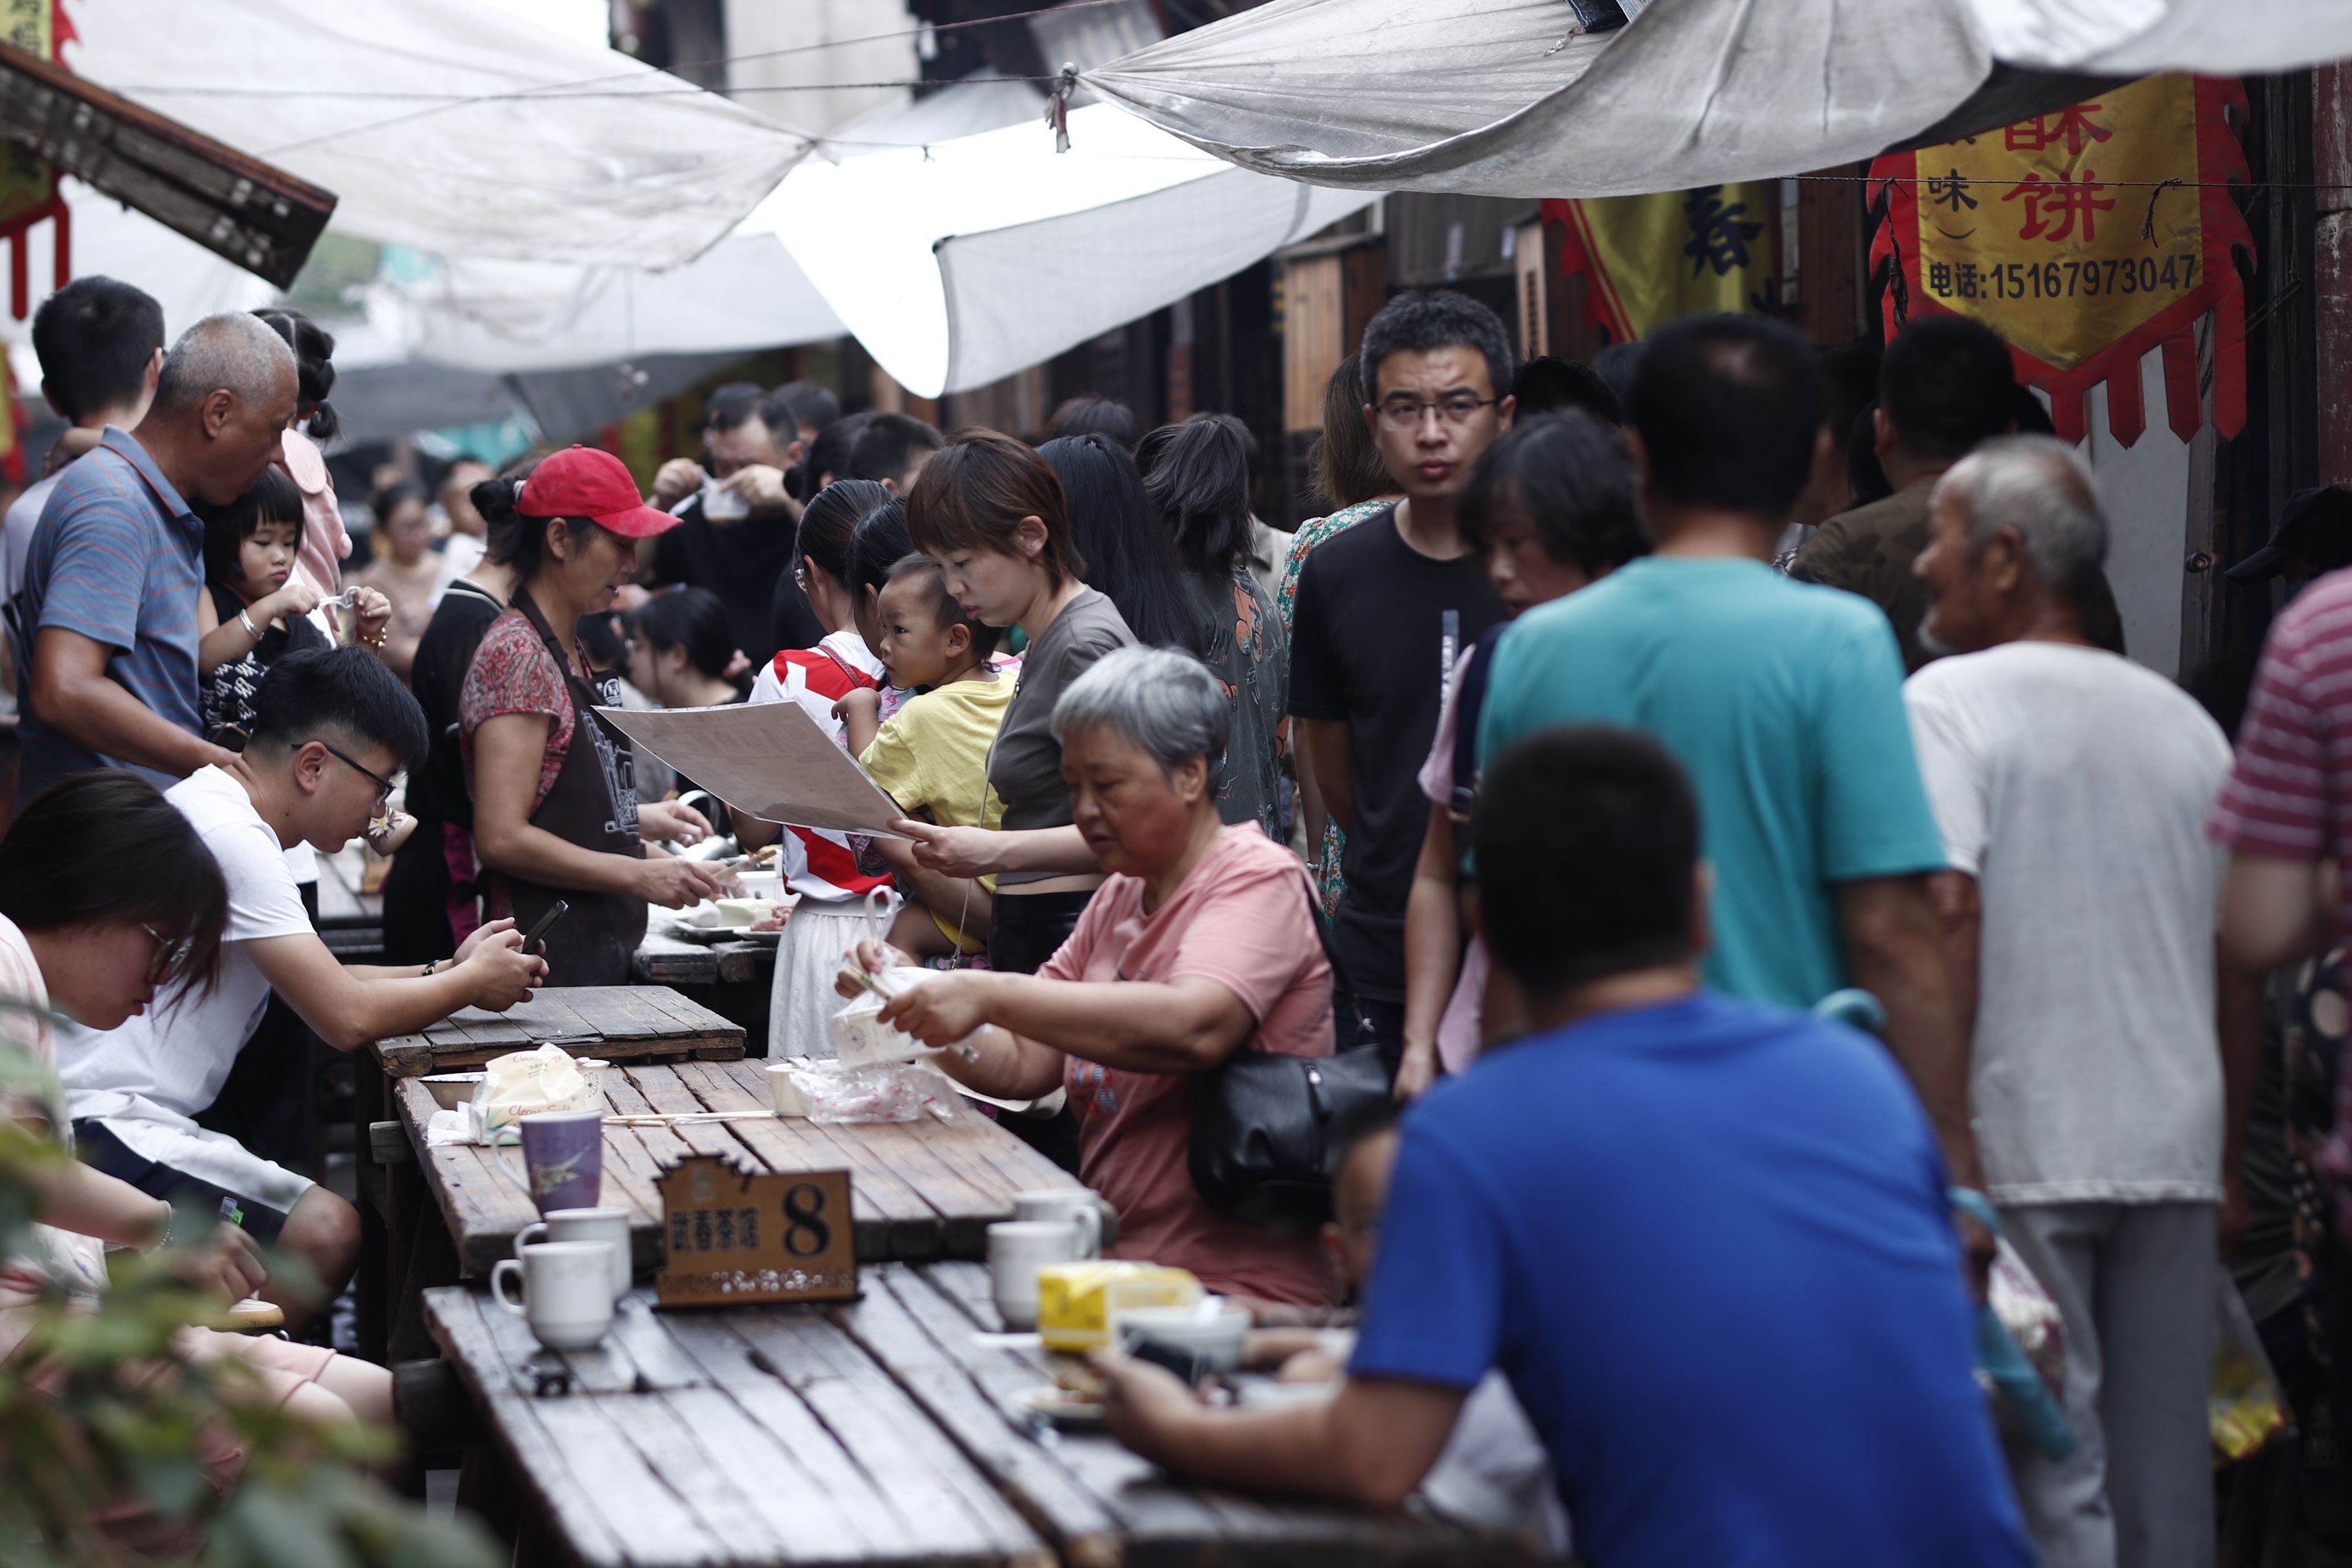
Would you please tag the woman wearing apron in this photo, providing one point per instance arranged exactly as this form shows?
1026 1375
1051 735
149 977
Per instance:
555 803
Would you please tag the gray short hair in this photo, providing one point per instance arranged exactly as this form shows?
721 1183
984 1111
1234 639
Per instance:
1165 701
2035 485
232 351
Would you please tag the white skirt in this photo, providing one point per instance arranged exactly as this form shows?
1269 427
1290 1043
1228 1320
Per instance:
802 1000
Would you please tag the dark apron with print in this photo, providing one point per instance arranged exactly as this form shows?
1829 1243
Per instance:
594 803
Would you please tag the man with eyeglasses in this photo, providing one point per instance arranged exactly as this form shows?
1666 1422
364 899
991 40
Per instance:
1384 611
331 730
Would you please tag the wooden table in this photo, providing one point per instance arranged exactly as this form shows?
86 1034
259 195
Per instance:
918 1190
402 1245
731 978
881 1431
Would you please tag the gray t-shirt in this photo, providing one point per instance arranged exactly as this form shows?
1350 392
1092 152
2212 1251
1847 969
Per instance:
1026 768
2074 786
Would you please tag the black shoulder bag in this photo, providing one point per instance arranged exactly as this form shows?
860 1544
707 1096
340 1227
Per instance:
1261 1139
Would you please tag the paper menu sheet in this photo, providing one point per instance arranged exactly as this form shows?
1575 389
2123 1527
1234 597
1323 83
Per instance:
767 758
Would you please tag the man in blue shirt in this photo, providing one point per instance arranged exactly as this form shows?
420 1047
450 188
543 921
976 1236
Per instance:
117 561
1783 701
1707 1241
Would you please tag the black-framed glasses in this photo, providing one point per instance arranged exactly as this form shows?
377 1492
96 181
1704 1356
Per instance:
382 784
171 957
1407 413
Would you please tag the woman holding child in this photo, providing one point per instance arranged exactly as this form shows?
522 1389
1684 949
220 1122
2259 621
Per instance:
990 513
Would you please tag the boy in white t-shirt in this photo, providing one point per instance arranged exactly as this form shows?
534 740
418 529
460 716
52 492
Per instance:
330 729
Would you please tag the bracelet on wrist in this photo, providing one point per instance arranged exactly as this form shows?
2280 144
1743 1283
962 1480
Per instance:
245 619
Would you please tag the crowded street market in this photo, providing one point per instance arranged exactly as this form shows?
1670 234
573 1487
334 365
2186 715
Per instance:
1149 781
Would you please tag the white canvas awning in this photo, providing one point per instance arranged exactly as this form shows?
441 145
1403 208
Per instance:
959 263
452 128
1508 98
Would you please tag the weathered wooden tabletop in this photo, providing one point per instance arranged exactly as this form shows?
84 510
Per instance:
881 1431
919 1190
404 1246
636 1023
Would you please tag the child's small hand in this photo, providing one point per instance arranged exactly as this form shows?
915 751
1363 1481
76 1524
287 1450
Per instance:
865 703
374 616
296 598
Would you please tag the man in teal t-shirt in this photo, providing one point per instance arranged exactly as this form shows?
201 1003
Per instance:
1784 701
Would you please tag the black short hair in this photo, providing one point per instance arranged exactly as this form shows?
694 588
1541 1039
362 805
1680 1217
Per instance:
1729 408
950 614
1430 319
888 443
107 846
689 617
1548 385
800 406
1090 413
344 694
1197 477
1947 385
828 454
730 405
95 338
1586 839
1358 1125
1573 476
272 498
877 543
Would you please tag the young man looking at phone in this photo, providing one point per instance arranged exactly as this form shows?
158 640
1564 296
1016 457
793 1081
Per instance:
330 730
1707 1241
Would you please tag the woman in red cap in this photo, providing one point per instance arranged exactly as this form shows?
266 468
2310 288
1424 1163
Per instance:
555 800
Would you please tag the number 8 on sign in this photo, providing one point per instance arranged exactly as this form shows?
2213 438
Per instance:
733 1237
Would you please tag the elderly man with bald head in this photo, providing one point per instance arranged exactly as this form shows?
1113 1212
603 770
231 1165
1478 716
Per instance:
2110 1044
110 583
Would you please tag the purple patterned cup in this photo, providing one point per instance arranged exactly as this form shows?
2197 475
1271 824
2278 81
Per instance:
563 1151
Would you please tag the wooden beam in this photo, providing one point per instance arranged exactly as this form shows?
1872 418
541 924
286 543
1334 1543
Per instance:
260 217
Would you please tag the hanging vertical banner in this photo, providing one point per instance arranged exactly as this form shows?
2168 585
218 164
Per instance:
28 182
1647 259
2085 238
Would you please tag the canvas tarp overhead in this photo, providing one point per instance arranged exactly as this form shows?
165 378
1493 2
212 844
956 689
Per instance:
963 262
1508 98
455 128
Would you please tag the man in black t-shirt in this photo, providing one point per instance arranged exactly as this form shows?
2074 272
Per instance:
751 437
1385 609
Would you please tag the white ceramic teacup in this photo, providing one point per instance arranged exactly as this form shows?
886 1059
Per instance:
567 1290
1074 1206
605 1227
1017 1248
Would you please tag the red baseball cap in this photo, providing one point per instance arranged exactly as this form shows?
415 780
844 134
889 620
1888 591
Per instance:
581 482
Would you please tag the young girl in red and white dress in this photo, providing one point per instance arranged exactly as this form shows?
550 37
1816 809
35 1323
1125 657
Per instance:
832 872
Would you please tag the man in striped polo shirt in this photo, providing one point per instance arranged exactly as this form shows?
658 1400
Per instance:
117 561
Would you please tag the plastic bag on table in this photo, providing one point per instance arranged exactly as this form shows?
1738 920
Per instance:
2244 1410
524 1083
858 1033
873 1091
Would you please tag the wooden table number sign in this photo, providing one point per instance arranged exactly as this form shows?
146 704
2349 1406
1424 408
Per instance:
731 1237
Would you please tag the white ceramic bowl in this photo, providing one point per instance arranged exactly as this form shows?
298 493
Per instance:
1212 1332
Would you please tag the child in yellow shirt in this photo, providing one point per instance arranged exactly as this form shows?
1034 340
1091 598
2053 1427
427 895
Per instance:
931 756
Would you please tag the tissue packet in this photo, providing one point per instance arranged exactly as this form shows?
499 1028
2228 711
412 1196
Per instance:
524 1083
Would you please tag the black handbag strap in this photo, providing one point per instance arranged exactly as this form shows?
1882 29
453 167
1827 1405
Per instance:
1343 990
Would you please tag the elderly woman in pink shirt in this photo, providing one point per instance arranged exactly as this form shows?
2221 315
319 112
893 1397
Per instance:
1201 942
